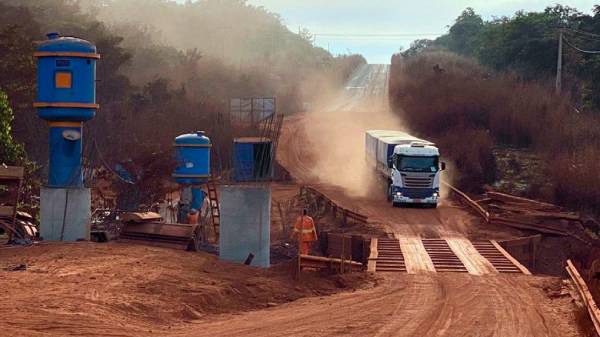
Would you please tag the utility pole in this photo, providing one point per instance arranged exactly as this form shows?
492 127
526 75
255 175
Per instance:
559 63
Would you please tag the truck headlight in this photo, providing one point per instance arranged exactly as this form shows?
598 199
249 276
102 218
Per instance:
435 194
399 194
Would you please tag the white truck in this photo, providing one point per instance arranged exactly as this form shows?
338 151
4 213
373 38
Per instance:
410 165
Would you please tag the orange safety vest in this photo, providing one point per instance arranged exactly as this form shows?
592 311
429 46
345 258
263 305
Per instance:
193 218
305 226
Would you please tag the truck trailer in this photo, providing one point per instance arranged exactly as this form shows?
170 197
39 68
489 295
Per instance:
410 165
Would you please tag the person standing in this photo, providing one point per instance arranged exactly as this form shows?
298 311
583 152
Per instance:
184 204
304 232
192 218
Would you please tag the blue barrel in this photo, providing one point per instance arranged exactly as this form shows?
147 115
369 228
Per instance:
192 153
66 97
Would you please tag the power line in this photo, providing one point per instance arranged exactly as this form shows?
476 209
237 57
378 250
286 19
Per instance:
583 37
375 34
582 32
561 39
361 38
579 49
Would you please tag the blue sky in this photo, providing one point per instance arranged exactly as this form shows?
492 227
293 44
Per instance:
347 17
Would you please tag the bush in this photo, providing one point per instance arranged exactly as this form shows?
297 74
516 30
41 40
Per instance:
471 152
575 178
11 153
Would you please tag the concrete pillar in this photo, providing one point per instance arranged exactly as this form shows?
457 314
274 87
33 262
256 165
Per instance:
245 226
53 224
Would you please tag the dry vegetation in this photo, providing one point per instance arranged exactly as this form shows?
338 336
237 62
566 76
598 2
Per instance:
469 110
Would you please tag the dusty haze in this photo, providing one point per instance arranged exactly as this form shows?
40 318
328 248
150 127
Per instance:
337 131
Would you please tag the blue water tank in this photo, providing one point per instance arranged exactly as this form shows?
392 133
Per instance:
66 97
192 153
66 75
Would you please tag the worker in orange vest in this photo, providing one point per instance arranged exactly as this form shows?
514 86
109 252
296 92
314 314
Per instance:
193 216
305 232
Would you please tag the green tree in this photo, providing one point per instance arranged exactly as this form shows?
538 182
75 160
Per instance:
417 47
464 33
11 153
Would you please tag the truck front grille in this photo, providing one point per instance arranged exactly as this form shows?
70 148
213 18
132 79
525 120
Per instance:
417 181
418 193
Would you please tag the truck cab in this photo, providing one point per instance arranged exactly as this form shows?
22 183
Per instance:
415 174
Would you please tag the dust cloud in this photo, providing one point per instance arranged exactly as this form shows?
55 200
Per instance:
336 131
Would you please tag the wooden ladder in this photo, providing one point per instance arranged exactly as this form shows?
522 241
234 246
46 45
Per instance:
215 212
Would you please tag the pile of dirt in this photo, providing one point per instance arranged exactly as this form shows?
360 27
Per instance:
88 288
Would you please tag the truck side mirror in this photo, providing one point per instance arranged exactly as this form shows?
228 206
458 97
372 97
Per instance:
390 163
443 166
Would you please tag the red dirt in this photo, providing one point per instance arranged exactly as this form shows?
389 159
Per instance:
122 289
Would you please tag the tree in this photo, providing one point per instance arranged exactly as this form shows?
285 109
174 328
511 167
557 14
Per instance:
11 153
417 47
464 34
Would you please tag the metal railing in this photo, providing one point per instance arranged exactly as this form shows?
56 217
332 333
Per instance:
584 293
466 200
338 212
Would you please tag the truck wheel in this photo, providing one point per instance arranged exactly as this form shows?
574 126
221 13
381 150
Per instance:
394 204
389 194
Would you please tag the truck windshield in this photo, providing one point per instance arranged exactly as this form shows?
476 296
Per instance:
417 164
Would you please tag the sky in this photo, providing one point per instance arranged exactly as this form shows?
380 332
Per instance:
378 28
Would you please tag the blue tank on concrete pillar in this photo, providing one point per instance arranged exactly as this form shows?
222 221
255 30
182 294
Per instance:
192 153
66 97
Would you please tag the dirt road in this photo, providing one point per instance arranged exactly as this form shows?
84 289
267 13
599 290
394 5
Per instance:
415 305
362 105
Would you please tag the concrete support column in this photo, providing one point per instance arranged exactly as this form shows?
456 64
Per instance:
245 226
65 214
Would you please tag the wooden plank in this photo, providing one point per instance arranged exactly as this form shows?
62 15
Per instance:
416 258
140 217
327 259
529 213
11 172
585 294
520 241
470 257
10 228
533 227
372 265
7 211
510 258
511 198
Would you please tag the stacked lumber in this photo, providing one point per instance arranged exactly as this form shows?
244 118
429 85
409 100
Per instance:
527 214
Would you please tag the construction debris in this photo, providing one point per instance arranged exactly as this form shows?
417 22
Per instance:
20 226
18 267
332 264
522 213
140 217
149 228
